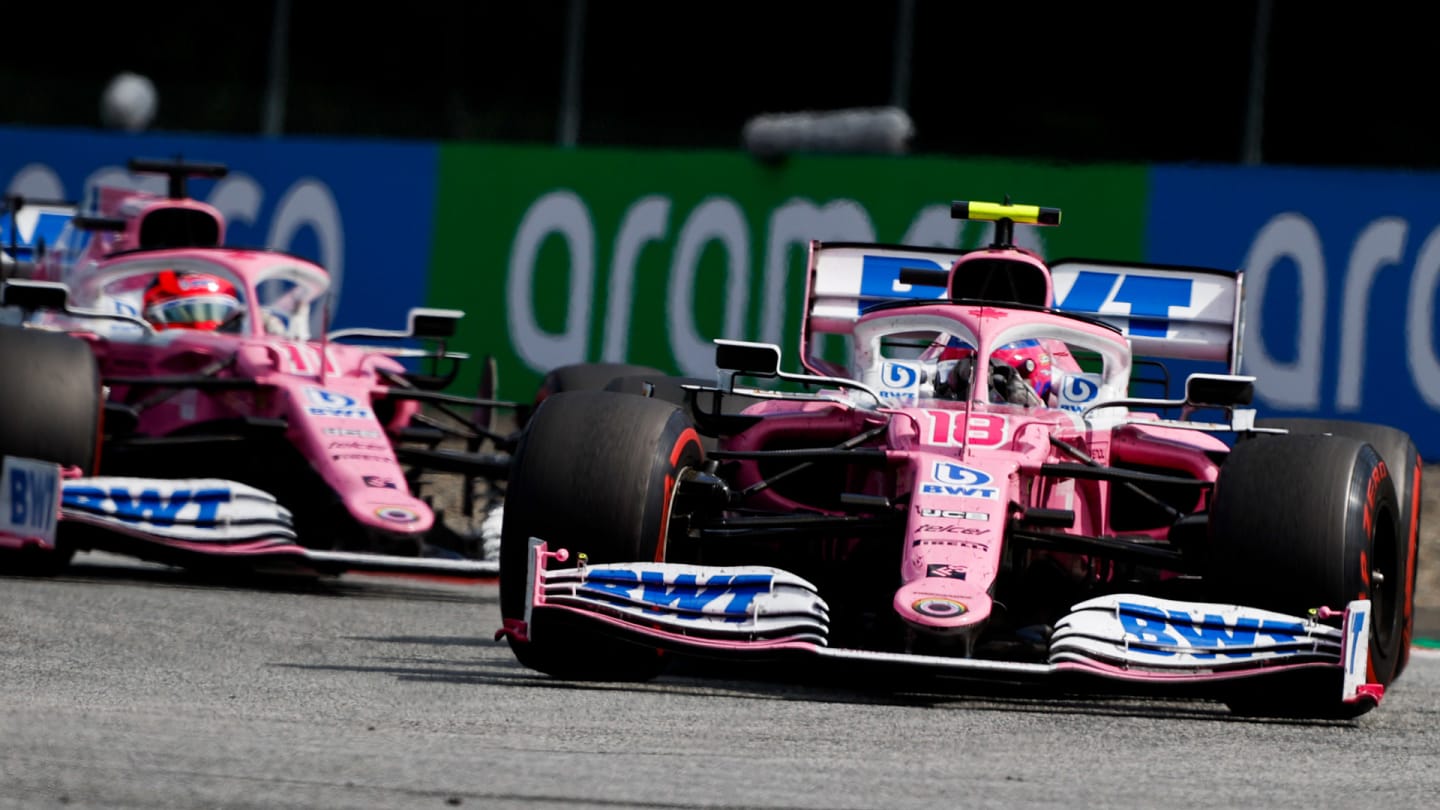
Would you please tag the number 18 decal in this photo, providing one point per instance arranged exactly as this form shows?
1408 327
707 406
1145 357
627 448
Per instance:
954 428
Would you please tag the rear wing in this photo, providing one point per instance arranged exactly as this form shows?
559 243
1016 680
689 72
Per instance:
844 278
28 229
1167 311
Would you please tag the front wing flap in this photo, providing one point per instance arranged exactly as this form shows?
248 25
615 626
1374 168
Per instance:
1166 636
706 605
183 522
205 510
709 610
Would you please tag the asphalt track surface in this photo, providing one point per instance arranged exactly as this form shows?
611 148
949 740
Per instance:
128 685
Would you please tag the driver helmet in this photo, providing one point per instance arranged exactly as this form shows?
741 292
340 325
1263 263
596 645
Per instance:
1020 372
178 300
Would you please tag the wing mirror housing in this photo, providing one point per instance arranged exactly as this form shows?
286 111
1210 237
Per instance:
1219 390
434 324
744 358
33 295
750 359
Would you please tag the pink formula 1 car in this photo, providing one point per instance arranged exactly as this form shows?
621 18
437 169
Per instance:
975 485
178 400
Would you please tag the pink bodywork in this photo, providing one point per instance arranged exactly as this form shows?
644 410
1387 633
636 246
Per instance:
955 530
967 465
323 391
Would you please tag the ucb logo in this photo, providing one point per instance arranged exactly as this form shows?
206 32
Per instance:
1146 299
945 472
899 375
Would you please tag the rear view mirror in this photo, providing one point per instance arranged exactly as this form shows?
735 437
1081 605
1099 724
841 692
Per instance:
436 324
743 357
32 295
1219 390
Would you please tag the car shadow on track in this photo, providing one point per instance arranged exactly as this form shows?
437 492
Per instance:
367 586
495 666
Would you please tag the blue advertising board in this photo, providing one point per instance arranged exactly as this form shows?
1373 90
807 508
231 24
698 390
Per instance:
1341 266
363 210
1341 274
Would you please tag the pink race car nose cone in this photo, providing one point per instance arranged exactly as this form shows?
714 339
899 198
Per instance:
941 605
392 512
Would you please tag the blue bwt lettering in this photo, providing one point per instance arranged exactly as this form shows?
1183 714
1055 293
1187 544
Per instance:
1150 298
32 499
880 278
686 593
150 506
1152 625
19 506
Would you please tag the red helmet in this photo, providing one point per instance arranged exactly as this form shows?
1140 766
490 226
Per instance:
189 301
1028 359
1032 361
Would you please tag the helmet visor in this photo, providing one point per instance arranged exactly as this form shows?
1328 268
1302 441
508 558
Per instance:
191 310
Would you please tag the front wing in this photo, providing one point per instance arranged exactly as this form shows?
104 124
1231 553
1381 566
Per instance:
186 522
757 611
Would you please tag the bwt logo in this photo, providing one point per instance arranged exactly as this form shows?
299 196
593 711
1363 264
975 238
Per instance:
900 382
32 226
329 399
334 404
1076 391
899 375
688 594
31 490
959 481
880 278
1178 629
1149 298
946 472
151 505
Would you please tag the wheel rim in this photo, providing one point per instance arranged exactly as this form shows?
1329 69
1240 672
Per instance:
1384 581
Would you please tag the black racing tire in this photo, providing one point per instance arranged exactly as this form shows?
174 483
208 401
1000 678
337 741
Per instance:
585 377
594 473
52 398
1398 450
669 389
52 413
665 387
1301 521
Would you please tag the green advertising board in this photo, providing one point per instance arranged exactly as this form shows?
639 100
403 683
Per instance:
562 256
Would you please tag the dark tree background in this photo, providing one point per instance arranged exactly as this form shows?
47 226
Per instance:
1345 84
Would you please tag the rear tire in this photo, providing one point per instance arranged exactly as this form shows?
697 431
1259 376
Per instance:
52 413
594 473
669 389
1303 521
585 377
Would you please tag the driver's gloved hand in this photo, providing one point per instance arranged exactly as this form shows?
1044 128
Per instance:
1008 386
